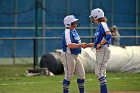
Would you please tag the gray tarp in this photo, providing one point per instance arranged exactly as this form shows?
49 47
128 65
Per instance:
121 60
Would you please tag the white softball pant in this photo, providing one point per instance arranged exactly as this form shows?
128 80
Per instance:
71 64
102 56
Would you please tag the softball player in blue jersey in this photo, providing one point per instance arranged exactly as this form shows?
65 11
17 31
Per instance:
71 49
101 43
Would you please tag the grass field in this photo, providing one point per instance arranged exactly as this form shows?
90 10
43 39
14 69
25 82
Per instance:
13 80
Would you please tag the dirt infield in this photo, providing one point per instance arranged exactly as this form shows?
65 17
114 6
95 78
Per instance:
118 92
125 92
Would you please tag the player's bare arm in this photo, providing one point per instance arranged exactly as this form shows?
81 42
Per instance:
90 44
74 45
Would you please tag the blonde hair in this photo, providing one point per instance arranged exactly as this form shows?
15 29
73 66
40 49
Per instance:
103 19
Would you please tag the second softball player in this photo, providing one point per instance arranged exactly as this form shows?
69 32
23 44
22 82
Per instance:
101 43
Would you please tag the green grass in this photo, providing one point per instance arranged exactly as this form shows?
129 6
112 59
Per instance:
13 80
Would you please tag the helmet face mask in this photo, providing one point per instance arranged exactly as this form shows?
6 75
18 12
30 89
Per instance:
92 19
77 23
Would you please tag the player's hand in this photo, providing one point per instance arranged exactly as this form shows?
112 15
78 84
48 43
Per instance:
99 46
90 44
84 45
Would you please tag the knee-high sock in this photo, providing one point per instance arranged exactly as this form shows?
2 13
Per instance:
81 85
66 84
103 85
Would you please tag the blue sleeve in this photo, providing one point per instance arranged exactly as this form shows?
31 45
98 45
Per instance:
108 37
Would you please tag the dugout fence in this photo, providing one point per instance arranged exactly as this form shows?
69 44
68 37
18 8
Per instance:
34 58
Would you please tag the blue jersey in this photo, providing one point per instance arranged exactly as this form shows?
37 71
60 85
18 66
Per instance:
71 36
100 33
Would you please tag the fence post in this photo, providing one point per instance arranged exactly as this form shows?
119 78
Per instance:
36 35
